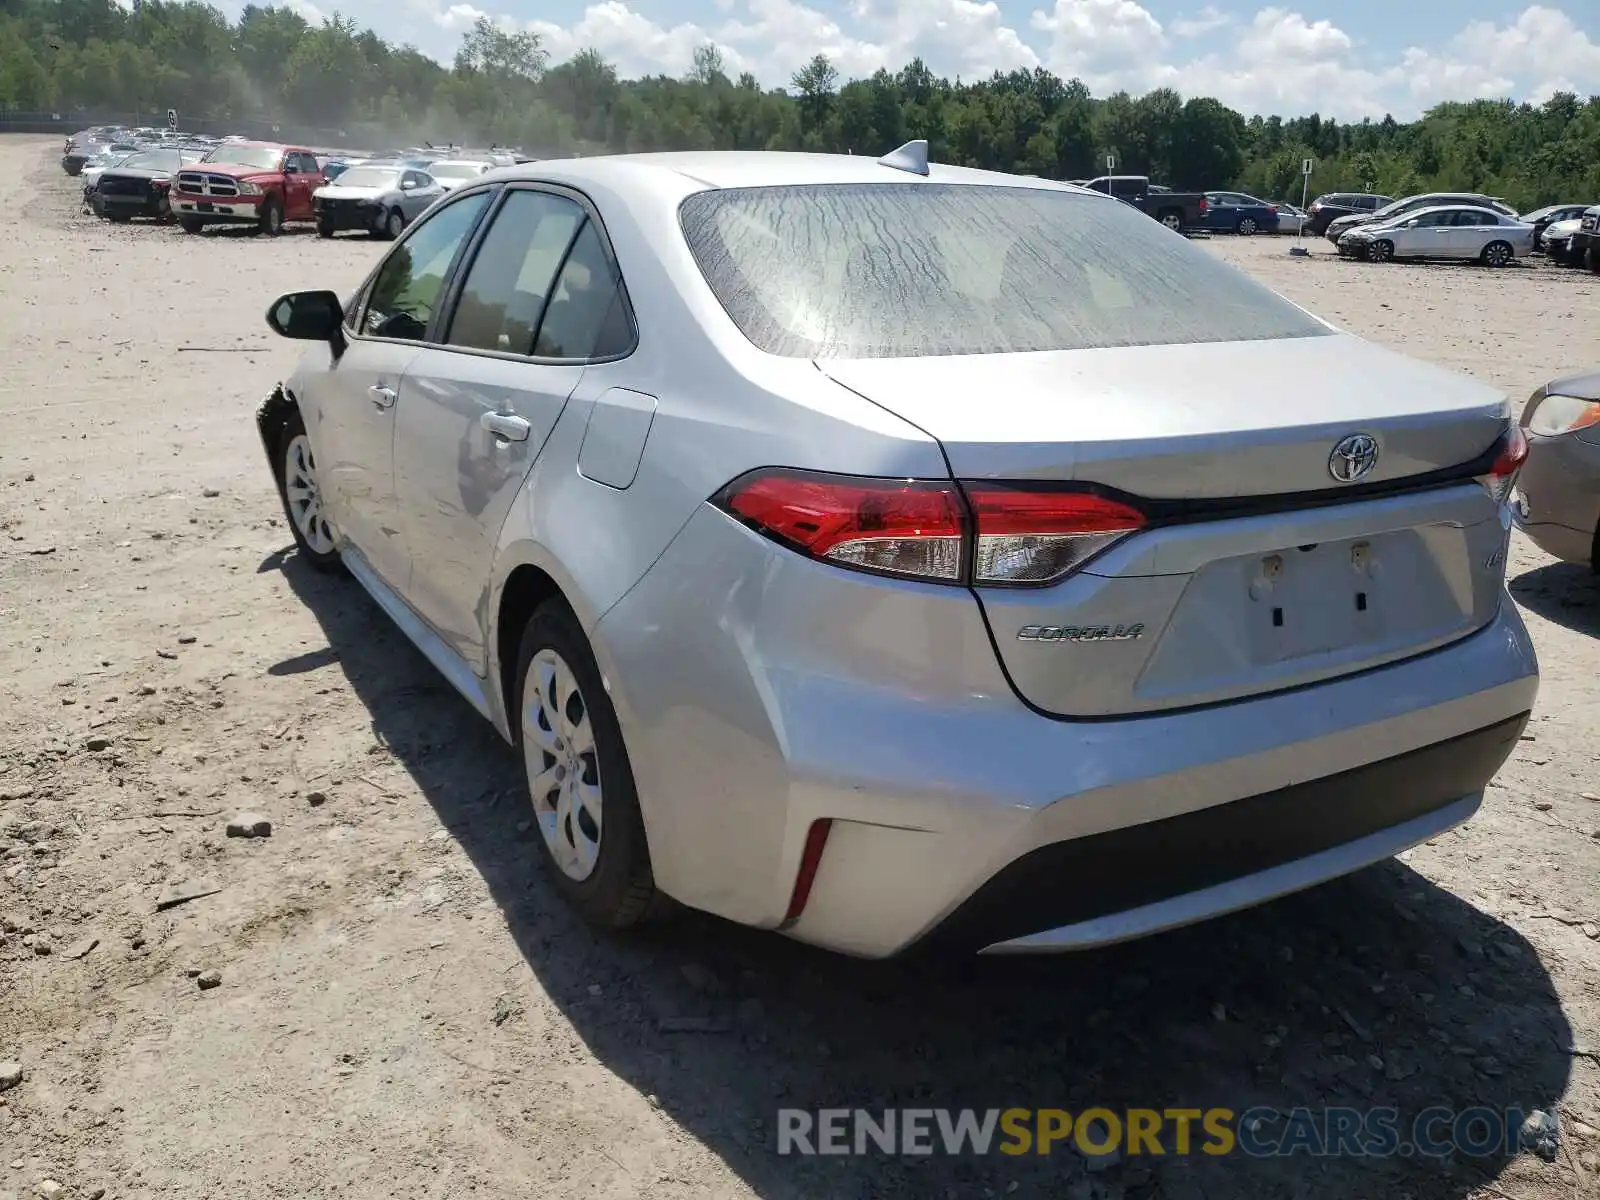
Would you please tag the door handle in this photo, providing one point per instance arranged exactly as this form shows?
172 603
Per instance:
382 395
505 426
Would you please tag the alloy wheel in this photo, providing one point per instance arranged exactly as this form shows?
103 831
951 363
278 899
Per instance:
558 749
1382 251
397 224
1497 255
1247 226
304 496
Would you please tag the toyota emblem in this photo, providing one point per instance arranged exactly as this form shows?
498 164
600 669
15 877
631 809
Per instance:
1353 458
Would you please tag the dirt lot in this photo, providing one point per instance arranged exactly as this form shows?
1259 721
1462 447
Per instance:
405 1011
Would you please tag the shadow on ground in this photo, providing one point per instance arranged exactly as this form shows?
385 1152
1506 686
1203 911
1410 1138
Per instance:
1378 990
1565 593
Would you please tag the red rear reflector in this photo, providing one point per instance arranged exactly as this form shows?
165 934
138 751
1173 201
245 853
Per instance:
810 860
1035 537
892 526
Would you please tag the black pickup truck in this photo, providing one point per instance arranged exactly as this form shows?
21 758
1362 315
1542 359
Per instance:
1175 210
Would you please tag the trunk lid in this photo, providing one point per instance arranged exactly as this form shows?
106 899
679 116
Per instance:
1204 605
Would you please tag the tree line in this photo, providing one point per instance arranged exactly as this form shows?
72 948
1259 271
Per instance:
502 88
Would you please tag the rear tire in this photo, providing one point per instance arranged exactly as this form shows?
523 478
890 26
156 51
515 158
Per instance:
1247 226
1497 254
1593 259
571 743
1172 219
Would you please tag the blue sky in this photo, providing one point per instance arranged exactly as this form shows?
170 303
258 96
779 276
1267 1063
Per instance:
1351 59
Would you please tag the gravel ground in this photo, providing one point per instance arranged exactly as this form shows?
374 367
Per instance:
384 999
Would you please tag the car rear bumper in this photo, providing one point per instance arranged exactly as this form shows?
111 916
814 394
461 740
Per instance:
1558 496
959 816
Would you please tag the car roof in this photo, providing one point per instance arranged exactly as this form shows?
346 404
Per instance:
676 170
1452 206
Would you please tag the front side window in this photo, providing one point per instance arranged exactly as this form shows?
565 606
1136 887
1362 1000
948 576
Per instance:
405 292
510 281
889 270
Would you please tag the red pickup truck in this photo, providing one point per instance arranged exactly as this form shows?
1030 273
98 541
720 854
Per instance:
247 183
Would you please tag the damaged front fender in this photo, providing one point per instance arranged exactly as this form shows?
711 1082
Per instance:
272 414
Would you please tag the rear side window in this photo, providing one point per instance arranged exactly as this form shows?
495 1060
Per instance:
889 270
585 318
511 278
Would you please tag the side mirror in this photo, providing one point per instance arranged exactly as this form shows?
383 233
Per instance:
407 184
306 316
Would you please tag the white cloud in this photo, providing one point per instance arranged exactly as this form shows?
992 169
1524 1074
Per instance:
1203 22
1278 60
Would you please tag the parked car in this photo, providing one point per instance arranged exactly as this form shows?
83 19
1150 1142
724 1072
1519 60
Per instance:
453 172
92 166
1556 242
1327 208
1445 232
1175 210
1235 212
247 183
85 144
1340 226
671 464
380 200
1291 217
1558 492
140 185
1584 245
1542 218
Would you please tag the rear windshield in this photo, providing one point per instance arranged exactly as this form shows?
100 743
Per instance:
370 177
889 270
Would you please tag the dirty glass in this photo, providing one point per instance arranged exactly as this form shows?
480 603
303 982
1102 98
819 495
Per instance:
902 270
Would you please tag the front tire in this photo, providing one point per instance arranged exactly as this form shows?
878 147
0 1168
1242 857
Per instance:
271 217
1497 254
190 225
1381 251
325 229
300 488
579 780
394 224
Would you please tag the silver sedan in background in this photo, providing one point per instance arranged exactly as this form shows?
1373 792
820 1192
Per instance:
1453 231
381 200
895 554
453 172
1558 493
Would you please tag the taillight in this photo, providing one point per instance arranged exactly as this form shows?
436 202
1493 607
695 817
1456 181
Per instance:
981 533
892 526
1316 206
1204 204
1508 460
1025 536
1273 209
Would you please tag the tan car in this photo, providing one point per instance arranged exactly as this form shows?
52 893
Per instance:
1558 492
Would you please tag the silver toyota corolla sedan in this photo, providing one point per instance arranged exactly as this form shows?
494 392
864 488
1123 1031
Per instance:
904 556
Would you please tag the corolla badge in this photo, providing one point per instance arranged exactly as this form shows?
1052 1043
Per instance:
1353 457
1080 633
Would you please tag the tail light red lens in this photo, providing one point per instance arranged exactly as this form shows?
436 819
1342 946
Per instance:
892 526
982 533
1502 476
1038 537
